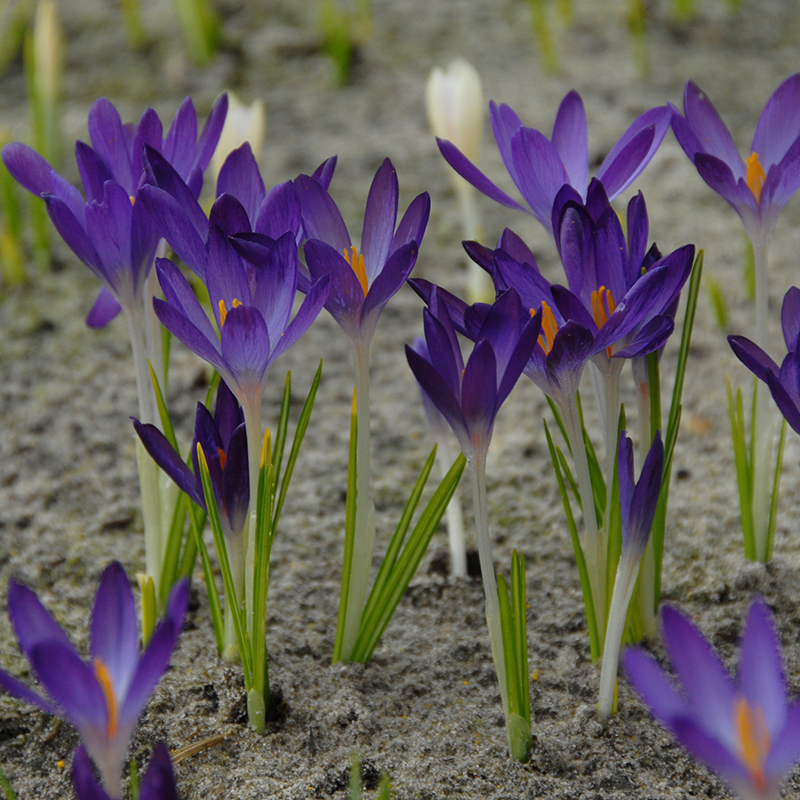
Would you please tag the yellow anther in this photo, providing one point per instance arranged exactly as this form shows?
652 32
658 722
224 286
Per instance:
549 328
753 739
222 458
603 306
223 312
755 176
133 199
357 263
104 679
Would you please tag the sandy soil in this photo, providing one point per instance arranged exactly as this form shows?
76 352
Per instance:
427 708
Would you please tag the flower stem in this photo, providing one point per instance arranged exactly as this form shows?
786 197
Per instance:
763 418
477 462
364 539
455 516
623 590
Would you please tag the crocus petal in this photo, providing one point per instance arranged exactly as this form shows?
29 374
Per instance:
209 136
701 673
753 357
470 173
276 283
380 217
785 748
714 137
321 218
180 296
28 168
653 686
186 332
279 212
505 123
709 749
571 139
110 142
626 161
229 215
388 283
779 124
71 683
236 481
228 416
74 234
783 399
181 138
86 787
241 178
226 277
443 348
761 676
479 393
645 498
159 780
246 348
626 480
323 174
414 222
783 180
638 231
790 318
93 171
22 692
114 631
104 309
33 623
161 452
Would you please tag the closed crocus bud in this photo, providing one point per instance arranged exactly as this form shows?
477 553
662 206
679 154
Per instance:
244 123
454 102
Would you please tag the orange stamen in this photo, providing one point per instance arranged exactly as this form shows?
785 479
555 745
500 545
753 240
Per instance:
104 679
603 306
755 176
754 741
222 458
223 312
357 263
549 328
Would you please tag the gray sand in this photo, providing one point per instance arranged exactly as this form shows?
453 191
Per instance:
427 708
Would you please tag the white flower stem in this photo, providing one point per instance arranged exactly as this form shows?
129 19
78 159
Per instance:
623 590
477 462
364 539
763 421
455 515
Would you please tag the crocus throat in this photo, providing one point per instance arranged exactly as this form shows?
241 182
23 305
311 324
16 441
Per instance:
223 312
755 176
752 739
222 458
549 328
356 261
104 679
603 306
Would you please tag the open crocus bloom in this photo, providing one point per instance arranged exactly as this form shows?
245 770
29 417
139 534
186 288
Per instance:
104 697
745 730
540 166
759 186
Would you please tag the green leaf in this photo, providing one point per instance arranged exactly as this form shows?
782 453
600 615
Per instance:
743 478
586 588
372 628
283 426
197 521
169 569
776 489
163 413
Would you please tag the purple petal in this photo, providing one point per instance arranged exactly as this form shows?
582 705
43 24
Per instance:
315 299
236 481
779 125
83 780
713 752
576 247
479 393
470 173
414 222
753 357
540 172
783 180
28 168
784 398
149 132
74 234
645 497
33 623
93 171
710 130
240 177
228 415
387 283
638 232
380 217
186 332
653 686
276 285
279 212
71 683
114 631
209 137
790 318
571 140
321 217
514 245
626 479
104 309
246 347
229 215
519 357
707 684
180 296
761 676
785 747
226 277
181 139
719 176
159 780
323 174
110 142
22 692
443 347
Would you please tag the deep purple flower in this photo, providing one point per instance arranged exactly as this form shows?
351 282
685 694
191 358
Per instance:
158 782
224 441
362 283
759 186
746 731
470 396
104 697
540 166
110 231
783 381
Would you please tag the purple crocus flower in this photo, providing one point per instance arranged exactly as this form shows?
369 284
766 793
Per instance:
759 186
362 283
110 231
540 166
158 782
104 697
783 381
745 730
224 441
470 396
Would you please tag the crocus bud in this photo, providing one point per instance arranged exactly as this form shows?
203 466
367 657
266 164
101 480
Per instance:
244 123
454 102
